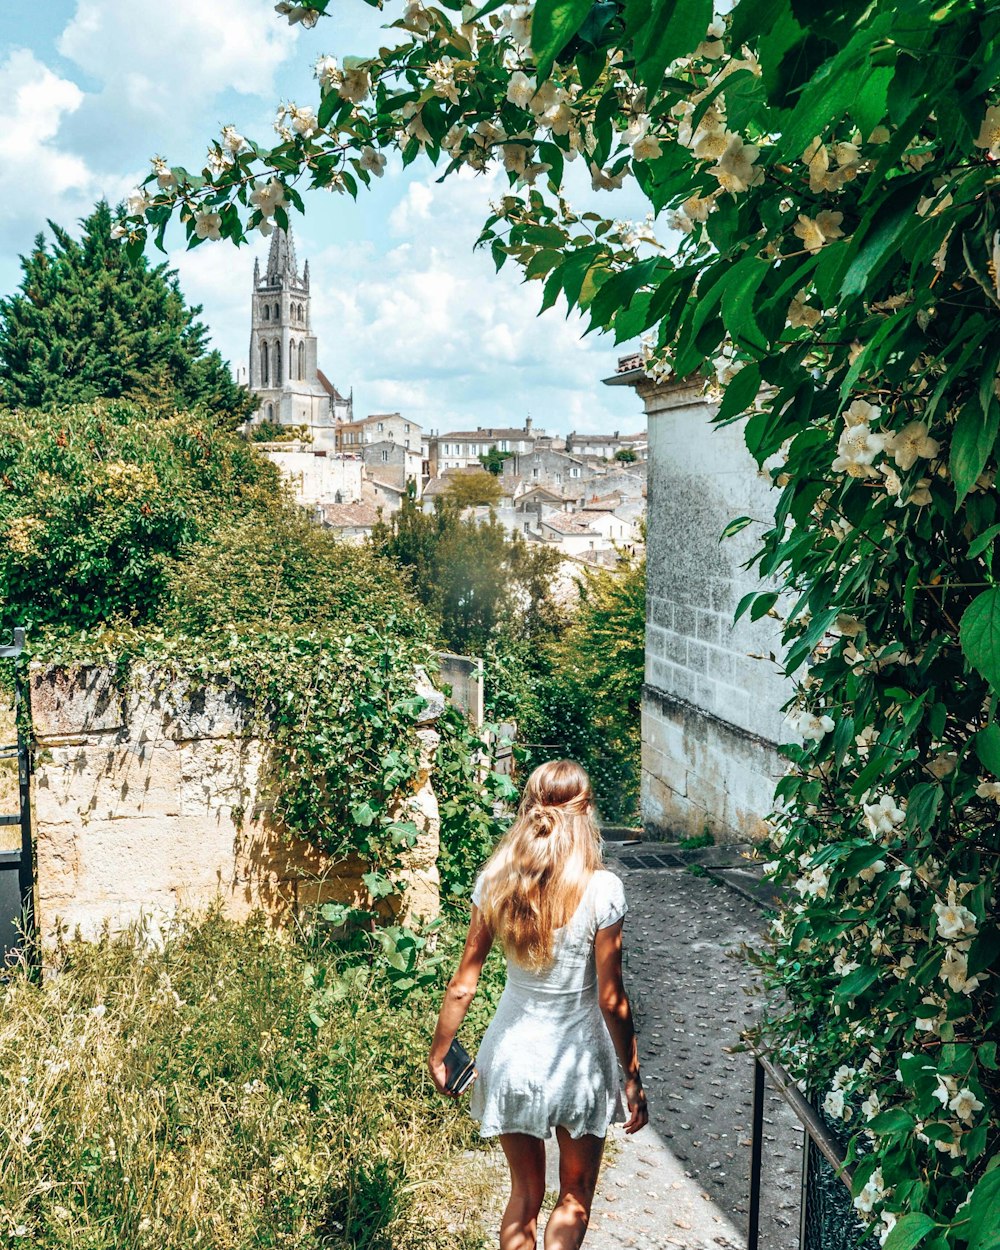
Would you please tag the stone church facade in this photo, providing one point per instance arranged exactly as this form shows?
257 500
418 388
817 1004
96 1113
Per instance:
284 371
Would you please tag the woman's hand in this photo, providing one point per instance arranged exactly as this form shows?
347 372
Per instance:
638 1111
439 1075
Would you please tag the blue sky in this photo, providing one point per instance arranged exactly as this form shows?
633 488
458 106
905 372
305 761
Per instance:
406 313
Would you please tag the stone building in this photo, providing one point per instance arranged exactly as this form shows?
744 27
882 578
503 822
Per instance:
460 449
393 463
283 355
317 476
554 470
603 446
711 710
380 427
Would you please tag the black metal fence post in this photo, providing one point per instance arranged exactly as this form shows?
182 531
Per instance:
756 1152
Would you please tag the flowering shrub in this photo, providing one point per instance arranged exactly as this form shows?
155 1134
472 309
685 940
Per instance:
831 171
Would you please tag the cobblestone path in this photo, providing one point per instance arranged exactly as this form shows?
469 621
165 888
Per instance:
684 1180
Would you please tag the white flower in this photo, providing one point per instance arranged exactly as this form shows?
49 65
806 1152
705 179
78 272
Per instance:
415 127
416 17
989 132
965 1104
208 225
515 157
697 207
850 627
372 161
520 89
817 160
802 314
873 1192
910 442
735 169
871 1106
883 815
442 75
943 764
517 24
646 149
327 70
452 142
815 231
232 140
119 231
955 921
861 412
355 84
265 227
600 180
856 450
843 964
99 1010
989 790
717 29
844 1076
268 197
297 13
833 1104
814 883
955 971
304 121
813 728
888 1224
165 179
137 202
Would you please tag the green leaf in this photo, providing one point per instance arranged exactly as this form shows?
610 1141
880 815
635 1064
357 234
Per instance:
663 30
971 444
553 25
984 1212
855 983
734 526
740 394
895 1120
979 634
909 1231
979 545
988 748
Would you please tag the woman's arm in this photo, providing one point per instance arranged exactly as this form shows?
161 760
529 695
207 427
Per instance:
459 994
617 1013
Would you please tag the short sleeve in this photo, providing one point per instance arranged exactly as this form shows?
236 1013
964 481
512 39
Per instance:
477 891
610 903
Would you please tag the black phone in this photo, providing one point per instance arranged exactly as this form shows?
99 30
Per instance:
459 1067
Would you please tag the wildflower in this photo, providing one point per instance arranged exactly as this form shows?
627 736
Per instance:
304 121
517 24
646 149
119 230
943 764
816 231
873 1192
856 450
989 790
989 132
327 70
600 180
861 412
955 971
137 202
355 84
909 443
415 127
165 178
268 197
232 140
871 1106
697 207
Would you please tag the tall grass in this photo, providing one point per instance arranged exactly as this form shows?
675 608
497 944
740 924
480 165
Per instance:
229 1087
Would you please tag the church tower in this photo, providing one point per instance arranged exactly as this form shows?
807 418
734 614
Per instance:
283 365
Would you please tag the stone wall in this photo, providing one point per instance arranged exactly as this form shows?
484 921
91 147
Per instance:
147 800
711 709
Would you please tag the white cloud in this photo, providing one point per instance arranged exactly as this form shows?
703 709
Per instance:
169 60
38 177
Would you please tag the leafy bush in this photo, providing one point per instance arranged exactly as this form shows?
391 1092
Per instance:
99 501
227 1090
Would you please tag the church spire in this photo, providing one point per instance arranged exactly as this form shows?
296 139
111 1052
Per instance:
281 263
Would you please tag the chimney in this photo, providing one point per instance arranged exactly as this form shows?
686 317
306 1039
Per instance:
615 435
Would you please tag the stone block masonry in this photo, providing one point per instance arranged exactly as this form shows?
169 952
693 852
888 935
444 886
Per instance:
711 711
147 799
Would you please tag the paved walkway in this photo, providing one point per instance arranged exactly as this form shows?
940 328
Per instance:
684 1180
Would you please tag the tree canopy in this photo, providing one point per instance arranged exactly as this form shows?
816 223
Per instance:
92 322
831 173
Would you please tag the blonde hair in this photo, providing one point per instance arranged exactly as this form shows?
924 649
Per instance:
536 876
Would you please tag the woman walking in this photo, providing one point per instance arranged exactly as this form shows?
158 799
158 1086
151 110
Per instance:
548 1057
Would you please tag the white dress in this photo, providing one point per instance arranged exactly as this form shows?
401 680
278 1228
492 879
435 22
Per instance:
547 1057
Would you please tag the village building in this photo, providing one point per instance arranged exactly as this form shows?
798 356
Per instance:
315 475
603 446
380 427
352 522
461 449
395 464
283 369
554 470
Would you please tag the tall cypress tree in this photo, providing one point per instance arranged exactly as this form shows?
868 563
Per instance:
89 323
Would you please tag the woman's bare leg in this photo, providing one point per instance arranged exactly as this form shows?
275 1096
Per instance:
526 1160
579 1164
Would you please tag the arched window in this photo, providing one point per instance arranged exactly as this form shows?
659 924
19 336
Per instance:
264 377
302 361
338 497
270 412
277 312
277 364
267 312
291 360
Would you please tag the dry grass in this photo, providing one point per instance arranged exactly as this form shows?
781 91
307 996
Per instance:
233 1089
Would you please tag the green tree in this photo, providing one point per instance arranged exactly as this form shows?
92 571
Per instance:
89 322
626 455
474 490
493 459
478 581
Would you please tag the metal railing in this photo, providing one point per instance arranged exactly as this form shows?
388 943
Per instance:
821 1144
16 866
